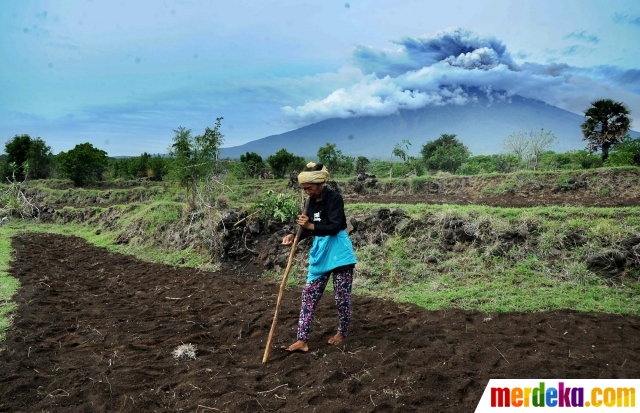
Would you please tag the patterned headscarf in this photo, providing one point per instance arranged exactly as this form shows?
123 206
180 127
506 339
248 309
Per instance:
313 177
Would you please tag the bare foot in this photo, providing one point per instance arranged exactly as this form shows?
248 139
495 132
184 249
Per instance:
337 339
299 345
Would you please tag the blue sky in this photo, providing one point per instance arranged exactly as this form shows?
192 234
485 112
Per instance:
124 74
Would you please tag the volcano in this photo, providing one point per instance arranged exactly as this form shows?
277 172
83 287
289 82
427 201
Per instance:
482 126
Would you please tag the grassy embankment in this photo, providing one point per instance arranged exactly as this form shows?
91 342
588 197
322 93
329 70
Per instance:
8 285
545 273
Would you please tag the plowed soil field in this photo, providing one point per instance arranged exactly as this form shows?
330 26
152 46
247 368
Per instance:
95 331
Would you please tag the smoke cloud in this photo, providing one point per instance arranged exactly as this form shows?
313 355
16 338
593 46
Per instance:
458 67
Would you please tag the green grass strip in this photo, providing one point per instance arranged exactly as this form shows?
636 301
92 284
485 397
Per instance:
8 285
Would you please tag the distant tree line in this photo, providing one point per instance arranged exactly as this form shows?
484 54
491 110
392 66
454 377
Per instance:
192 158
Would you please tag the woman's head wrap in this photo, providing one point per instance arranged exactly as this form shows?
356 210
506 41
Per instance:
309 176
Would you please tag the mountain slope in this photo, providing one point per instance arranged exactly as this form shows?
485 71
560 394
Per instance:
482 126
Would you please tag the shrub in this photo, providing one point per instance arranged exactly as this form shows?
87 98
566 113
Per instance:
283 206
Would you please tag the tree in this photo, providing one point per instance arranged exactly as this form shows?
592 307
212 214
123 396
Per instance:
449 158
607 123
182 156
334 160
346 165
361 164
540 141
429 148
518 144
194 157
284 161
252 163
399 151
40 158
415 165
529 146
116 168
330 156
4 167
158 166
22 149
139 166
83 164
16 150
445 153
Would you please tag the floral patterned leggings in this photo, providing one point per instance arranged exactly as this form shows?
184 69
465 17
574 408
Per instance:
311 294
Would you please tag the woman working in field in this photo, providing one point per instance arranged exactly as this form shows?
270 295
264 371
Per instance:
331 253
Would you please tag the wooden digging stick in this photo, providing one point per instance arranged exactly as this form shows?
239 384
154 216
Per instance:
283 284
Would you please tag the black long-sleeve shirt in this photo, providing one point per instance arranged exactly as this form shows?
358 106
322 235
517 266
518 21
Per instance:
327 215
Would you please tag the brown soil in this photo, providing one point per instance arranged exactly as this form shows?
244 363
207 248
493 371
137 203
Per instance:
95 331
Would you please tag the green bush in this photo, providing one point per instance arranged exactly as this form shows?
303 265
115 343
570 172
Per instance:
625 153
486 164
282 206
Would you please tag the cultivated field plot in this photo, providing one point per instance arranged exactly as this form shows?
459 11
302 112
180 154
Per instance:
96 331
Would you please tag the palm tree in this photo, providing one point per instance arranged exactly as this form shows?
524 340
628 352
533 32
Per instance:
607 124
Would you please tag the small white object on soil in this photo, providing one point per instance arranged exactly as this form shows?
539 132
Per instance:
185 352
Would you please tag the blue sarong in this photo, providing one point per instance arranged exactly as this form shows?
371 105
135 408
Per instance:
328 253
